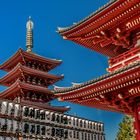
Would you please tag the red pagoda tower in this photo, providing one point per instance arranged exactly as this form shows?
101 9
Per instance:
28 77
25 109
28 80
114 31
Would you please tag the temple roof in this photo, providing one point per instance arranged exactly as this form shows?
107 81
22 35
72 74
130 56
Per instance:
64 29
66 90
20 71
107 91
18 88
107 30
23 57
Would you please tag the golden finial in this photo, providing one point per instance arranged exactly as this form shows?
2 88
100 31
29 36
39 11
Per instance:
29 35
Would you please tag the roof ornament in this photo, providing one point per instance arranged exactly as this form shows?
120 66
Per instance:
29 35
57 87
75 84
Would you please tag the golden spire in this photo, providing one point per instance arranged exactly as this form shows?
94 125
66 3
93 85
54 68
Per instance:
29 35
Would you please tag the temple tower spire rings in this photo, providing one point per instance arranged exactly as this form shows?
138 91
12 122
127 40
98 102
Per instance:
29 35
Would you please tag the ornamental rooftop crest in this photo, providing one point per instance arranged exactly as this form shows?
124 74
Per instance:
29 35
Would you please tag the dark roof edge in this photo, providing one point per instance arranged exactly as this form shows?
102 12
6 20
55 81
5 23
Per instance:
63 29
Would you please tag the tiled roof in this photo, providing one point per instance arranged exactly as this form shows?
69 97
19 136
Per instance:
108 75
60 29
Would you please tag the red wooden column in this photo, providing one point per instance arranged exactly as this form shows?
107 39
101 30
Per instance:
137 120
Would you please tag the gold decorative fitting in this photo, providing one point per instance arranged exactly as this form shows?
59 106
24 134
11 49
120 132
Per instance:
29 35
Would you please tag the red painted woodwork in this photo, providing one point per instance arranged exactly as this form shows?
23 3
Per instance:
108 91
114 31
26 58
20 71
107 31
28 79
137 120
124 59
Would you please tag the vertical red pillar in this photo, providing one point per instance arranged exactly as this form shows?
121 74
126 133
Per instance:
137 120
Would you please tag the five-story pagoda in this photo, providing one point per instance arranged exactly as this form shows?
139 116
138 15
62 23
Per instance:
28 94
25 111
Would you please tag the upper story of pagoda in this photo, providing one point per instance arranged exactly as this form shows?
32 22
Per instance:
113 30
31 60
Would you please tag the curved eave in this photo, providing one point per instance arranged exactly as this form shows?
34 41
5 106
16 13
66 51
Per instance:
36 57
13 60
96 15
21 55
20 70
45 106
101 106
18 87
67 91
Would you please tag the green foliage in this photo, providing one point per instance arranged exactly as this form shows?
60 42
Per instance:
126 129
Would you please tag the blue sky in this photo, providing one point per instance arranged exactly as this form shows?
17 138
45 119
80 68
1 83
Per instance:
79 64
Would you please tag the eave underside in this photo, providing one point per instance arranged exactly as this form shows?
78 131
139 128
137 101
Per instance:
45 106
23 57
107 93
100 31
20 71
20 88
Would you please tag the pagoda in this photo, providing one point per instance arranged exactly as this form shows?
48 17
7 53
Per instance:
28 77
114 31
25 109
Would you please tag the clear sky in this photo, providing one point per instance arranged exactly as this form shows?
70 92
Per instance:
79 64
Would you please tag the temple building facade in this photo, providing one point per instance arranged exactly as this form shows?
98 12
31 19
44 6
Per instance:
113 31
25 109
